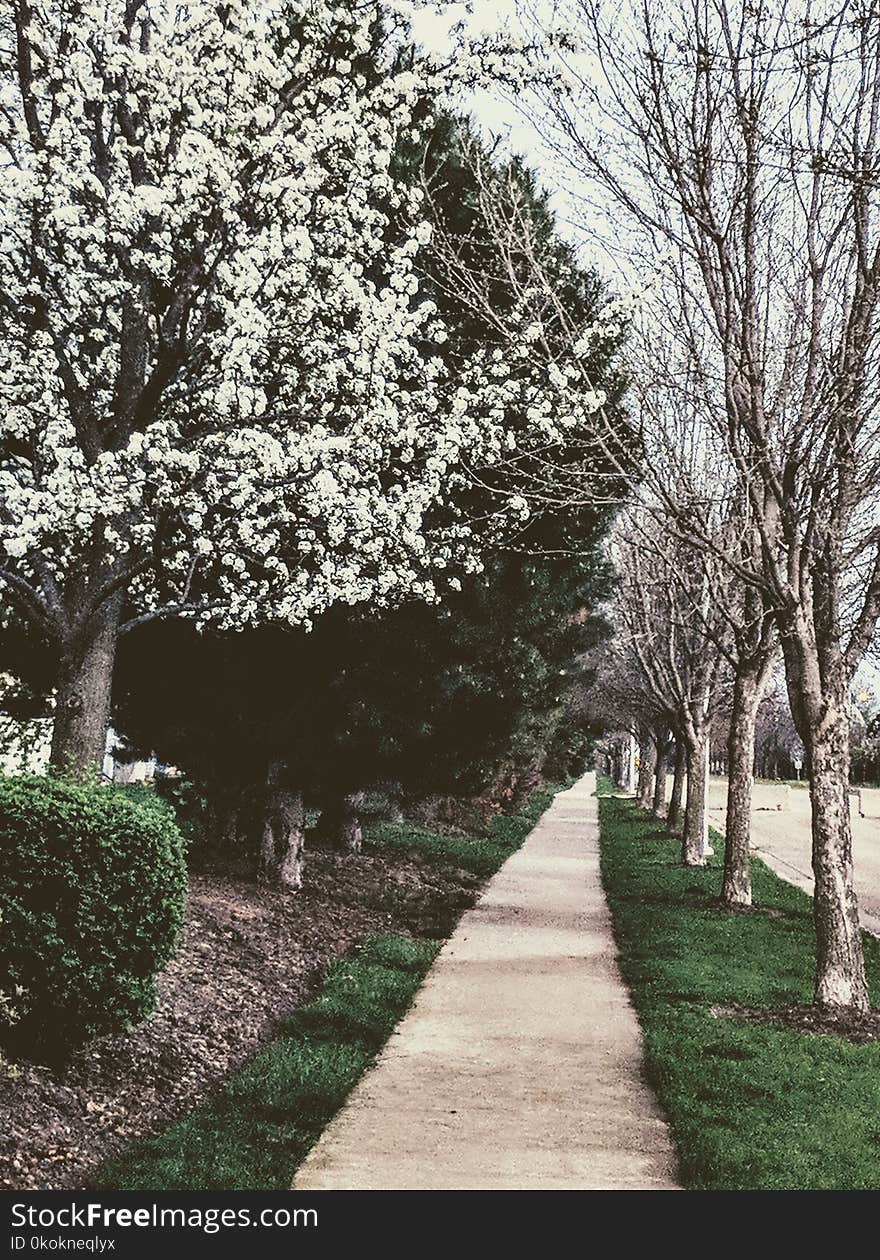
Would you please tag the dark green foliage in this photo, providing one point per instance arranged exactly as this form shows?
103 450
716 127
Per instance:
751 1105
254 1132
221 706
441 699
92 891
476 693
431 699
472 696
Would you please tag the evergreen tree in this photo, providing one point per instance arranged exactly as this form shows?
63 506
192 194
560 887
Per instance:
457 698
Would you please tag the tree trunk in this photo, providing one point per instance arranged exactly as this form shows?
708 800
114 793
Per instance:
340 822
817 689
646 773
840 963
223 824
693 836
82 702
283 836
675 816
623 765
658 806
736 887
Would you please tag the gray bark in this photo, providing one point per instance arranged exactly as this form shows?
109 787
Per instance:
82 703
283 832
736 887
646 772
661 747
695 808
817 686
840 963
675 815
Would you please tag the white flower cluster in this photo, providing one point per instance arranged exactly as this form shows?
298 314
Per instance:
212 366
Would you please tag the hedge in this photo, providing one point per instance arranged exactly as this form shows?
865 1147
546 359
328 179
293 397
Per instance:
92 894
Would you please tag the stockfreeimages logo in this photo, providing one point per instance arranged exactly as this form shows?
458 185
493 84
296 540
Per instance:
97 1217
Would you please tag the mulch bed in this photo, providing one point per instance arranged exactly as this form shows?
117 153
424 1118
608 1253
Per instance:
249 956
859 1029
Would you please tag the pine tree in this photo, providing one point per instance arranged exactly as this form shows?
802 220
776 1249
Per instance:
458 698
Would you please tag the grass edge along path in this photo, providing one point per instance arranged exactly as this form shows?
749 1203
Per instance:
256 1129
750 1106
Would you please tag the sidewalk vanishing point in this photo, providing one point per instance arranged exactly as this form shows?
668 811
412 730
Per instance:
519 1067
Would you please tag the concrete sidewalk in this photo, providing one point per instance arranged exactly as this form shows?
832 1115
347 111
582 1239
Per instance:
519 1066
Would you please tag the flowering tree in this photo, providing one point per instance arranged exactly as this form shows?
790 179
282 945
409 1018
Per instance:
438 699
217 398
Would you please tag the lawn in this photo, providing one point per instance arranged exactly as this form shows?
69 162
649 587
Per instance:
750 1106
483 854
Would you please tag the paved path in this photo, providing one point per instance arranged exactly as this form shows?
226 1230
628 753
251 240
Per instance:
783 840
519 1066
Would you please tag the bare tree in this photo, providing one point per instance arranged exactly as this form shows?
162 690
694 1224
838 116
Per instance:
663 607
690 490
645 785
619 700
753 644
742 139
662 741
778 746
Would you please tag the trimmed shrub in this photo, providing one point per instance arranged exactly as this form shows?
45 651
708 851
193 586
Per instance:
92 893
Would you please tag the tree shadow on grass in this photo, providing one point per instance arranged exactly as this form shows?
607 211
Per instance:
768 912
693 898
860 1029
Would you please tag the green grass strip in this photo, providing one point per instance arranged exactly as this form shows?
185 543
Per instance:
750 1106
254 1132
482 855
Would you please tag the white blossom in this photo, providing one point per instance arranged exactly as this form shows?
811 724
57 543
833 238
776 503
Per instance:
213 387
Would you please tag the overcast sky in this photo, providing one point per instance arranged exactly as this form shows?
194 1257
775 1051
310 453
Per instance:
514 121
497 114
